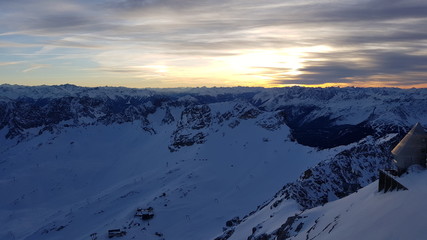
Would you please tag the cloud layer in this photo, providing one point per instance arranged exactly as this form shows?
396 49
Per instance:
171 43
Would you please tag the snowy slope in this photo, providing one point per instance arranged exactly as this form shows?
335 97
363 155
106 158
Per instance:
366 214
91 179
327 181
372 215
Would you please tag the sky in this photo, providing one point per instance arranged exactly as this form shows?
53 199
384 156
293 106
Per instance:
223 43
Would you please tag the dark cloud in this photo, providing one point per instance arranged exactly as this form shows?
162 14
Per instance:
376 10
411 69
405 36
176 5
394 62
60 21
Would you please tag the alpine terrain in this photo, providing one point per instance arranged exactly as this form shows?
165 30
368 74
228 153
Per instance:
206 163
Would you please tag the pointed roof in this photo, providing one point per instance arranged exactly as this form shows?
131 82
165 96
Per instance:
412 148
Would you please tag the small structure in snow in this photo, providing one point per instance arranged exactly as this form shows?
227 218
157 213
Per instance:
94 236
145 214
116 233
411 149
387 181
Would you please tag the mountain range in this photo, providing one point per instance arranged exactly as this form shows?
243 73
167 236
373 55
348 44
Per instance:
209 163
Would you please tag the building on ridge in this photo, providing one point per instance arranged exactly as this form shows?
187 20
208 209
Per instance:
411 149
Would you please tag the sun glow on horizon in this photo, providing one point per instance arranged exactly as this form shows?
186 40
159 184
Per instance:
257 62
259 67
246 67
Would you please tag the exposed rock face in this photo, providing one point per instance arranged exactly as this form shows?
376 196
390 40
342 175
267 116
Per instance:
168 118
335 178
191 129
273 122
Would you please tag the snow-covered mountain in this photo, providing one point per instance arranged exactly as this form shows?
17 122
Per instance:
76 162
366 214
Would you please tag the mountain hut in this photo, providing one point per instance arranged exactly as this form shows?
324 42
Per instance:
411 149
